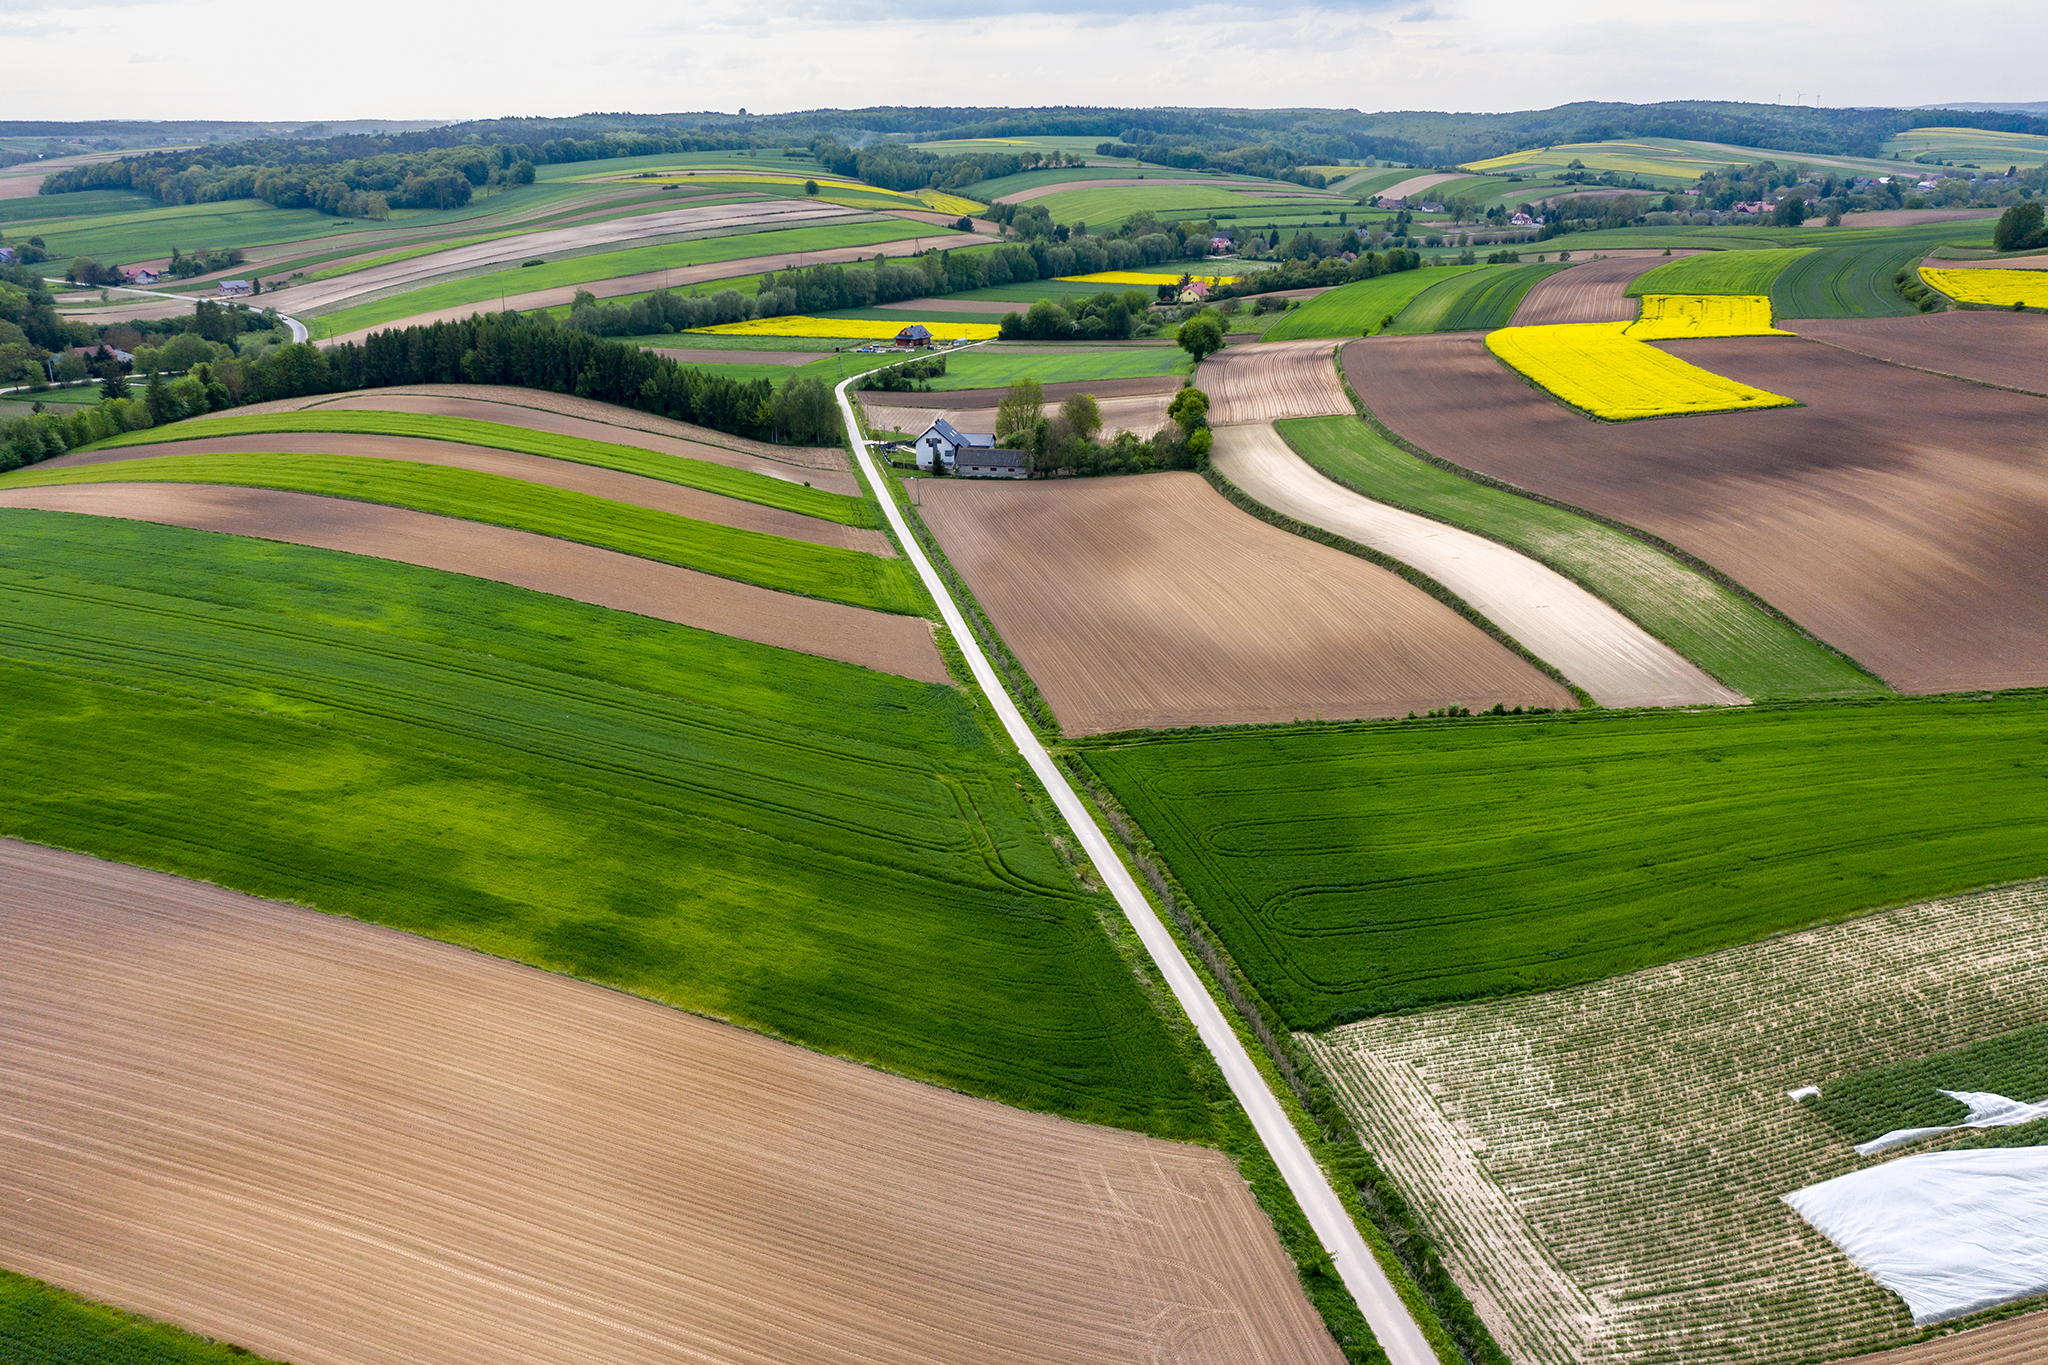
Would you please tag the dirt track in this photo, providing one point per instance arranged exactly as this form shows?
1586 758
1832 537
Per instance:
563 568
566 474
338 1144
1264 381
1149 601
1555 619
1899 516
567 415
1596 291
2006 349
2018 1341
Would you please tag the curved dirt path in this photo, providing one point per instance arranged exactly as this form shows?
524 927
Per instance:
331 1141
1263 381
1591 643
561 568
613 484
1592 291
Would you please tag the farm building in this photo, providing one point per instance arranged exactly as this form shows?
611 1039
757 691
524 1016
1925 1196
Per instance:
977 462
142 274
942 442
6 255
1195 291
91 354
1522 220
235 287
915 335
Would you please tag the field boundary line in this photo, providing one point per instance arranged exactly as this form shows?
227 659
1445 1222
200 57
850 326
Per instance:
1655 542
1396 1331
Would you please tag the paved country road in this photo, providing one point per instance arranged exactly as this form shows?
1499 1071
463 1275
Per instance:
1397 1332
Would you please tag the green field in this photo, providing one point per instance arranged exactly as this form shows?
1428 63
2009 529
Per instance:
1478 301
1355 870
837 856
47 208
991 190
1103 208
1758 654
1717 272
607 265
1984 147
712 478
993 366
1356 309
795 566
1854 280
43 1325
1909 1094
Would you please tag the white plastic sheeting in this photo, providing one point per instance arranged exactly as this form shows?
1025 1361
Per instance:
1986 1111
1948 1232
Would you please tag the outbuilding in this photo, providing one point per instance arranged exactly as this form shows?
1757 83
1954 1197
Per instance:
942 443
142 274
234 287
975 462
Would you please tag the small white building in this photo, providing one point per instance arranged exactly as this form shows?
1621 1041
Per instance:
977 462
142 274
943 442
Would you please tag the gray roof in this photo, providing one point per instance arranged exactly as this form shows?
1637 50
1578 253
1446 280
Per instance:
1001 459
952 435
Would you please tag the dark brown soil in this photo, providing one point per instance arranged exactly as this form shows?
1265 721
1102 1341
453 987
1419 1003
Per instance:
2006 349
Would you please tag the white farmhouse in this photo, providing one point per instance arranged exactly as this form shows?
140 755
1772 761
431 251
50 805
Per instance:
942 441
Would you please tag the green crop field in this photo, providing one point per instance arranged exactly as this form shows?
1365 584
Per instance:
990 190
1909 1094
795 566
1984 147
1758 654
47 208
43 1325
1356 309
712 478
1854 280
1479 300
992 366
1103 208
1717 272
840 857
1359 869
148 233
607 265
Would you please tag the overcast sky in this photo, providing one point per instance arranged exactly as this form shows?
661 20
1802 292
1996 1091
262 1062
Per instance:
226 59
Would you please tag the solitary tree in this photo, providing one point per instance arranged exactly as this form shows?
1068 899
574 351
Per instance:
2019 228
1189 409
1082 415
1020 409
1201 336
810 187
1791 213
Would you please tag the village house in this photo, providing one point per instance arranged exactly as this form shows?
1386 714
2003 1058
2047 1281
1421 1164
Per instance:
235 287
915 336
942 442
1196 291
1221 246
1522 220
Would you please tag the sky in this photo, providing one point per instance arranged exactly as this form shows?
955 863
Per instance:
219 59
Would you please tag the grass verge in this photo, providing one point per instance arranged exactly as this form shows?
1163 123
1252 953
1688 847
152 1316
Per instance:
41 1324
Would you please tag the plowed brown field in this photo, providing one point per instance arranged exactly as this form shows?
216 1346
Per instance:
2006 349
1901 517
338 1144
1149 601
1141 416
606 578
567 415
2020 1341
577 478
1596 291
1267 380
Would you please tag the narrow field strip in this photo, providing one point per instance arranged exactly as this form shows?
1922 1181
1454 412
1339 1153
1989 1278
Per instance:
721 479
853 329
1597 369
812 570
1678 317
1552 617
554 1171
1263 381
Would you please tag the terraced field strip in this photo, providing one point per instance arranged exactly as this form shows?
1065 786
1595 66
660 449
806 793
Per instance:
794 566
1632 1138
1150 601
1141 415
1264 381
1358 309
554 1171
1488 857
831 854
1549 615
1733 639
724 480
1719 272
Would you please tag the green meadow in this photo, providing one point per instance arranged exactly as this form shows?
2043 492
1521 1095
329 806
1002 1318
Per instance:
1357 309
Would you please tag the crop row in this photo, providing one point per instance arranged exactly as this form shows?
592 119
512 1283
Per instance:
1908 1094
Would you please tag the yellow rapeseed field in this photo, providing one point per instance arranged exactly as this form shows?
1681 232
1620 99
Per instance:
1674 317
852 329
951 203
1596 367
1997 288
1147 277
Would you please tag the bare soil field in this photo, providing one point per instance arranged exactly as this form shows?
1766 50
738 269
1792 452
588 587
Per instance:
567 474
342 1145
565 414
1416 184
1555 619
563 568
1595 291
1267 380
1141 416
1910 217
1149 601
2009 350
1054 393
2019 1341
1604 1166
1899 516
1994 263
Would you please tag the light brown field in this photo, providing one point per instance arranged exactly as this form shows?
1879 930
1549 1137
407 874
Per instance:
565 474
1911 217
1992 263
1166 384
1595 291
1899 516
338 1144
879 640
1148 601
565 414
2006 349
1416 184
1163 177
2020 1341
1141 415
1267 380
